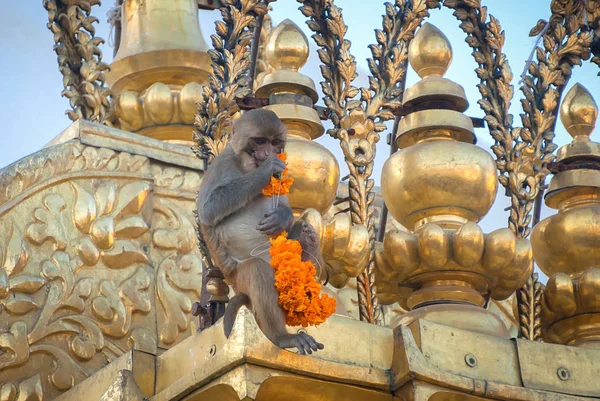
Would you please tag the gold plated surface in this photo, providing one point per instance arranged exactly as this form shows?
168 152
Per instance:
358 122
460 265
196 362
566 244
286 51
430 53
287 47
439 185
414 366
343 244
99 255
161 41
140 366
316 175
562 369
578 112
413 189
315 170
159 68
160 25
106 262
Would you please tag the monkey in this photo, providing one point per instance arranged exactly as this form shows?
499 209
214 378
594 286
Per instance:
236 220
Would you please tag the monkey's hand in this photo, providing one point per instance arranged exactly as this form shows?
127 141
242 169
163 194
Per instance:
270 167
305 343
276 221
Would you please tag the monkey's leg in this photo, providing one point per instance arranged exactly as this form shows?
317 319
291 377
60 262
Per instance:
255 278
308 238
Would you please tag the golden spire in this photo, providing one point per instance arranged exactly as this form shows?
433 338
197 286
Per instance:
578 113
439 185
287 51
565 245
158 71
287 47
430 53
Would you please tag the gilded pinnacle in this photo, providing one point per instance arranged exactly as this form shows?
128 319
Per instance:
430 52
287 48
579 112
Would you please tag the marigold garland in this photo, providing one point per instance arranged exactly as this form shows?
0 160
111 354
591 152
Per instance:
279 186
294 279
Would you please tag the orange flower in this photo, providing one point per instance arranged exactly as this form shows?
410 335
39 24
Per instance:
279 187
295 282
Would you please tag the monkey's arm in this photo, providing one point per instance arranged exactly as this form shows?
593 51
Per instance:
227 198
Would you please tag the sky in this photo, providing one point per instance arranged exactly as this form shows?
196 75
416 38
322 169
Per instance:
32 110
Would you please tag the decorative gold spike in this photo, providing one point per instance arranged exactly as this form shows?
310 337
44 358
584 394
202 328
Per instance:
578 112
430 52
287 48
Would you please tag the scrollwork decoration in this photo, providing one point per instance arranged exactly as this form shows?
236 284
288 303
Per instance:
529 302
79 59
229 79
49 292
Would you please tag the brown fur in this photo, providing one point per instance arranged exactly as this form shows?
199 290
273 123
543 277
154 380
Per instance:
236 220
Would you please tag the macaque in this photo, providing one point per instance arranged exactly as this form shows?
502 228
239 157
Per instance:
236 221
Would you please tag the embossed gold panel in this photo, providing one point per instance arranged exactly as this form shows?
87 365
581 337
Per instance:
98 253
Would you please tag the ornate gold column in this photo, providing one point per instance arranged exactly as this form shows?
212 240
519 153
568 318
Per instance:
315 170
159 70
567 245
439 185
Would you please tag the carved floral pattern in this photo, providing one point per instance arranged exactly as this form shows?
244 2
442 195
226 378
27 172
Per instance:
77 286
179 273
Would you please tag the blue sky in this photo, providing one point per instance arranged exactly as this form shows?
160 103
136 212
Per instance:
32 111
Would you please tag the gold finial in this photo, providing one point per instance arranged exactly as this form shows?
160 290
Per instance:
578 113
430 52
287 48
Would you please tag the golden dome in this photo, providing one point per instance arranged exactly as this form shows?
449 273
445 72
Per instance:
411 182
287 48
430 52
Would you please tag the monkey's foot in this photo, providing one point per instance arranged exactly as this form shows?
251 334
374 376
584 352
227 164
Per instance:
310 249
302 341
309 241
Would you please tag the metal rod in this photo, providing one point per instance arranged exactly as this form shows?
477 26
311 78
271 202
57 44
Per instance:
254 51
118 30
384 209
204 295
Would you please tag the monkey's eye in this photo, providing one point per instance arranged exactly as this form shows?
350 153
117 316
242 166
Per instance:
277 142
260 141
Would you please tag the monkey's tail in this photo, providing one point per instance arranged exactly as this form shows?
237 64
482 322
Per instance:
233 306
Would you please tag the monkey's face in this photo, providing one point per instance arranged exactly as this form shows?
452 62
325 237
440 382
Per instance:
256 136
262 147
